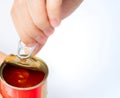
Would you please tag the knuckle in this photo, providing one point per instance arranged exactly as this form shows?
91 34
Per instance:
41 23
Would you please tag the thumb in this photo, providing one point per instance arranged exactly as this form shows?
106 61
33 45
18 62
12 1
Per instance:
2 57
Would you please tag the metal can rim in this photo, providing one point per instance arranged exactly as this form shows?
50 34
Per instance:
26 88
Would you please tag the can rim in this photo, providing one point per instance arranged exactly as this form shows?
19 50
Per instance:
24 88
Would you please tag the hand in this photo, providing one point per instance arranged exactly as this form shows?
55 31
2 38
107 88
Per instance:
35 20
2 57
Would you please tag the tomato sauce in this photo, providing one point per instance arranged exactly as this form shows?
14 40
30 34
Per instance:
20 77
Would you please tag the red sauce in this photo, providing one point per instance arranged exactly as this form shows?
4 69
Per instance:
20 77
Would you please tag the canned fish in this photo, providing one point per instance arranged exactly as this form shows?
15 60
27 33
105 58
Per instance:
23 78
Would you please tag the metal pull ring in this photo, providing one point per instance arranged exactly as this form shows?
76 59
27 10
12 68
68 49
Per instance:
24 52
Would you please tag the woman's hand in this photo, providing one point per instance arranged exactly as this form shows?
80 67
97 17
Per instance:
2 57
35 20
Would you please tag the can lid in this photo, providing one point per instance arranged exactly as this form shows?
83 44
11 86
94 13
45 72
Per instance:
24 51
32 62
24 57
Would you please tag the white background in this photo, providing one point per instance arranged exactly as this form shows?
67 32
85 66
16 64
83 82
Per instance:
83 55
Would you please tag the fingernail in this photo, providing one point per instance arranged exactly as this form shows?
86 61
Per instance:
54 22
40 39
48 31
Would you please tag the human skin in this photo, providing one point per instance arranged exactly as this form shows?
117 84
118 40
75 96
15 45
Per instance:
36 20
2 57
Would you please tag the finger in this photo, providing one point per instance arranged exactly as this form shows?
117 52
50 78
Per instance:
54 11
68 7
37 10
2 57
38 48
28 32
17 17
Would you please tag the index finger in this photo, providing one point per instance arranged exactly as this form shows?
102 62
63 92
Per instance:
54 11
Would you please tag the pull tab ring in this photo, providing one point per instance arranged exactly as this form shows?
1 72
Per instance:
24 51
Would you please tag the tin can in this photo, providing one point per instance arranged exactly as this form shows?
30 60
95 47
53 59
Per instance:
9 87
